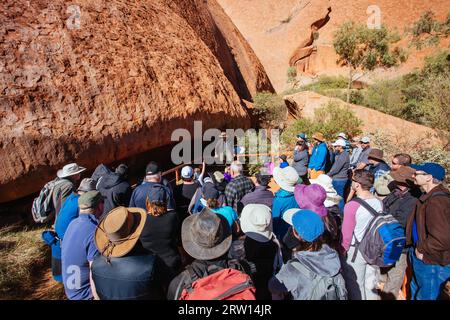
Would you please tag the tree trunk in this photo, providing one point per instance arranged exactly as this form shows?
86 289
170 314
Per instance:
350 80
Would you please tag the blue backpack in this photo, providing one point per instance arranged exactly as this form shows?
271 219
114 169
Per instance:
384 239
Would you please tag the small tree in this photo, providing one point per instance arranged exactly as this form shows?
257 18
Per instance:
427 31
292 76
363 49
270 109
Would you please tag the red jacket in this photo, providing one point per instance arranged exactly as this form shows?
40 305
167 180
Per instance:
433 227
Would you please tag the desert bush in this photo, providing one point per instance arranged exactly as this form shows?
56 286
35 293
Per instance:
270 109
329 120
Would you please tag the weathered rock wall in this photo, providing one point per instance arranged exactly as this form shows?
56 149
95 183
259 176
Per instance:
109 81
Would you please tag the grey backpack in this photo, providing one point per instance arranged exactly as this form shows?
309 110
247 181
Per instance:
323 287
43 207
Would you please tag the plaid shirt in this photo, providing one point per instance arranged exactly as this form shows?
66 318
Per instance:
237 189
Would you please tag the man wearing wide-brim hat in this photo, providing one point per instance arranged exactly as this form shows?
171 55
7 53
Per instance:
400 203
319 155
377 166
125 270
68 178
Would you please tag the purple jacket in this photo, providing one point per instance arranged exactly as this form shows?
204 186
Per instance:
259 196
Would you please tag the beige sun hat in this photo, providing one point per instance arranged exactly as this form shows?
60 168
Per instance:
70 169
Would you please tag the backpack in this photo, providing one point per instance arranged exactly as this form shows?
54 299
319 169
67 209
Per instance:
43 206
384 239
218 284
323 287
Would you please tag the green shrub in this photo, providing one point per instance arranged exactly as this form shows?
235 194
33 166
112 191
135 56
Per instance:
270 109
329 120
356 97
291 75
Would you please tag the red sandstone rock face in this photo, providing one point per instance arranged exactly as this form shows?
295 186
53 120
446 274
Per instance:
279 31
114 86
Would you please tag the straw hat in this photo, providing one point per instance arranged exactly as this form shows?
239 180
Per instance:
118 232
318 136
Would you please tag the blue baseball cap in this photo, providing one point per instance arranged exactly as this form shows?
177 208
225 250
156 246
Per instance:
436 170
308 224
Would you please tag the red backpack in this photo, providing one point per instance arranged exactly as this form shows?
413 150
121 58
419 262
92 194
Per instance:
226 284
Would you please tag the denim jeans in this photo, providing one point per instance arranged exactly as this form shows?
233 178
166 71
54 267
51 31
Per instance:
428 279
339 186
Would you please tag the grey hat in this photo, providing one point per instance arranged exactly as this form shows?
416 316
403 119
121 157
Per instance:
86 185
206 235
70 169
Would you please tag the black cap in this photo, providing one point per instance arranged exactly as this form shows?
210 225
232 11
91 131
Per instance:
158 194
152 168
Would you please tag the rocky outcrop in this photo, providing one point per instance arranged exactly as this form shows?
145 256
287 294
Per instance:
276 29
99 81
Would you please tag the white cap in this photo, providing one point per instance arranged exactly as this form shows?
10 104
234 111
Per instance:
339 142
342 135
365 140
187 172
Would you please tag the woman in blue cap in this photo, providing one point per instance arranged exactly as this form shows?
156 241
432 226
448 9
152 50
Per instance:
313 273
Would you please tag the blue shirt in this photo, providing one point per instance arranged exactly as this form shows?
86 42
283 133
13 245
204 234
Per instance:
228 213
282 201
139 196
415 234
318 158
68 212
77 250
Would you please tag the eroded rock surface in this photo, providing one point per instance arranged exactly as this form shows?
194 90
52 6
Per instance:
105 80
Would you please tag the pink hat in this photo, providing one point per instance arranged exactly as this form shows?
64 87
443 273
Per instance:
311 197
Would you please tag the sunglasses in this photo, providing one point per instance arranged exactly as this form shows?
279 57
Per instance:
419 174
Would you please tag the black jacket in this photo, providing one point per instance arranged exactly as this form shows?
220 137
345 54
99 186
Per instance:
115 189
160 236
400 205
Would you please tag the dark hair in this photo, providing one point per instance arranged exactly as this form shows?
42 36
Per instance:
363 177
314 246
263 180
156 209
403 159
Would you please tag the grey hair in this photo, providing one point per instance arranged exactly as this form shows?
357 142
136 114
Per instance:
156 176
236 166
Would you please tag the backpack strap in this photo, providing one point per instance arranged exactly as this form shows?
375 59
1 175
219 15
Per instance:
315 278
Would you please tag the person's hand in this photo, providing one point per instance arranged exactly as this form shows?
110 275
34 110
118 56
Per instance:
419 255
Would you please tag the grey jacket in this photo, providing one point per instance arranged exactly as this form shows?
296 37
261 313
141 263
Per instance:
300 163
62 190
339 170
324 263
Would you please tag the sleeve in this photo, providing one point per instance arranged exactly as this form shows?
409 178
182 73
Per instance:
364 157
297 155
337 166
438 226
230 194
276 286
92 251
322 156
312 159
132 202
349 223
